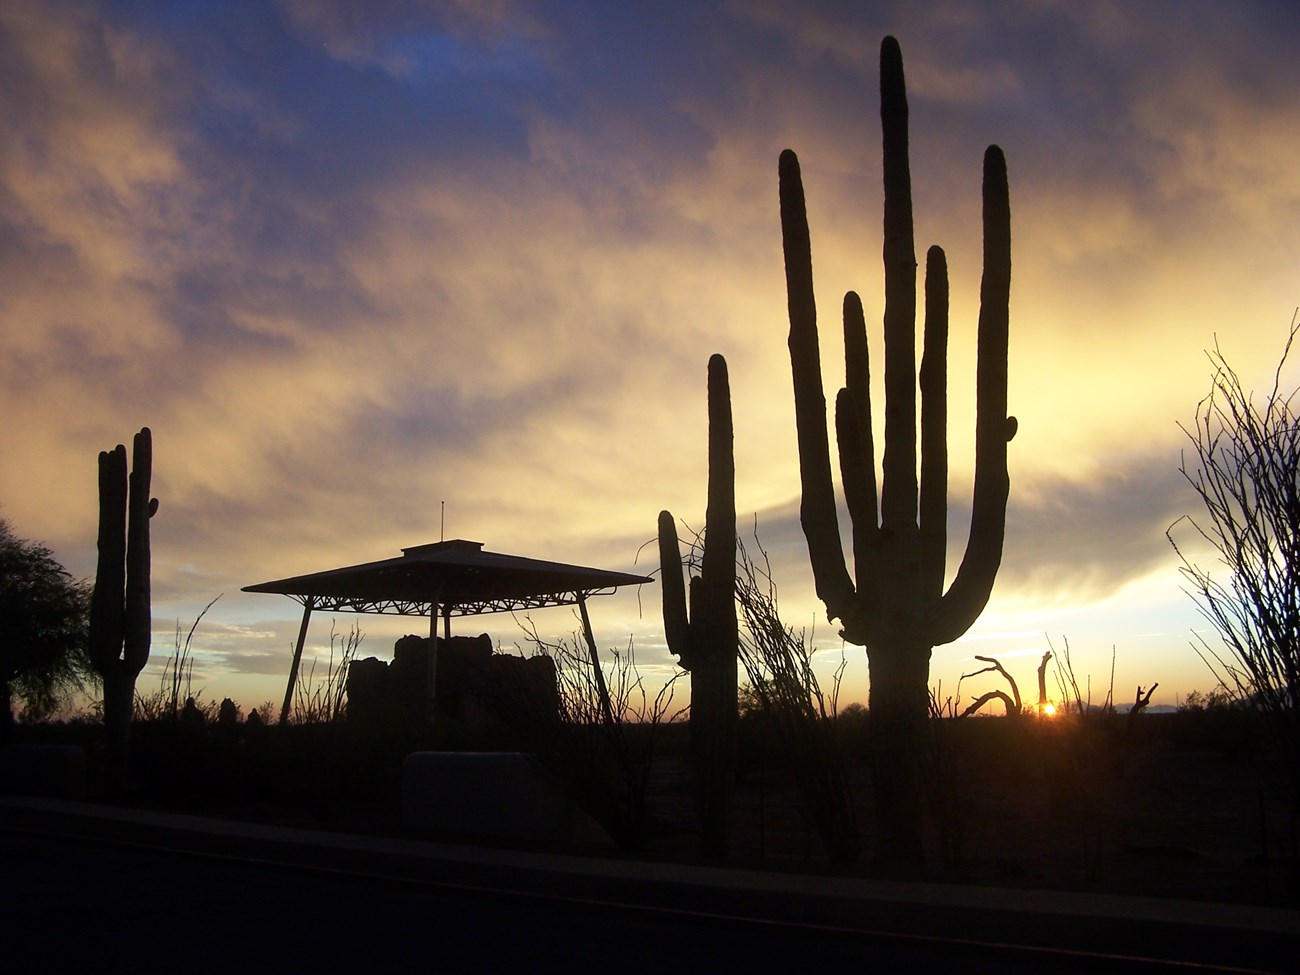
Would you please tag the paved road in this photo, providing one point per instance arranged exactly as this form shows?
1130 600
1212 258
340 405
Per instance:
243 902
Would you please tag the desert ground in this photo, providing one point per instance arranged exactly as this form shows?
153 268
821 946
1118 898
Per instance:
1169 805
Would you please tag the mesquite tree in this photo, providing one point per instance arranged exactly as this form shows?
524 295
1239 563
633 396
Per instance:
895 603
705 641
43 614
120 622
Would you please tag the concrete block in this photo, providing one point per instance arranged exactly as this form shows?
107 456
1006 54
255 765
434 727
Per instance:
492 795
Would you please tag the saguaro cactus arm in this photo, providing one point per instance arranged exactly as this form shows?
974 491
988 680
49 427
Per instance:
710 624
854 436
898 488
718 564
140 508
106 601
933 504
817 507
677 628
994 429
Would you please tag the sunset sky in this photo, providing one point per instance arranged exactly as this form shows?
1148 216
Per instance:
351 261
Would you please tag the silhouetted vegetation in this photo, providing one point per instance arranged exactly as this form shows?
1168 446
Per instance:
323 699
1245 468
799 720
1217 699
1036 801
895 604
175 681
43 620
596 734
704 639
120 607
1077 749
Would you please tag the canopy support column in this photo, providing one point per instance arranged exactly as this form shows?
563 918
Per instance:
431 661
599 674
307 606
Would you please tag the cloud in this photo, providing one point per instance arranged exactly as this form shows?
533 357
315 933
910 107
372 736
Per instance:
348 264
1068 541
1085 540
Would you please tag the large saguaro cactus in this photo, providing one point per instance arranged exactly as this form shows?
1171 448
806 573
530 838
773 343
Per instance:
120 621
705 641
895 603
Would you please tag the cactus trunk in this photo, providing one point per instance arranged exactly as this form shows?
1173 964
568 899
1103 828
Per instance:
898 705
120 619
705 639
894 602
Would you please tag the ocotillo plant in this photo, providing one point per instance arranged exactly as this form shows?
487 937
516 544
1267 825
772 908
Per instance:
895 604
120 620
705 641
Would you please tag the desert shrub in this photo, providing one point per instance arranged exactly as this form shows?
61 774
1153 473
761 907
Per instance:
175 682
948 800
793 710
263 714
323 700
596 732
1218 699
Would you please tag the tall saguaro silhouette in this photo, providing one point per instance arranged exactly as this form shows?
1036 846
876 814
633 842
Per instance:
705 641
895 603
120 620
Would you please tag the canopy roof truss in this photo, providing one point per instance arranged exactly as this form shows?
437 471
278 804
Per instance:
406 607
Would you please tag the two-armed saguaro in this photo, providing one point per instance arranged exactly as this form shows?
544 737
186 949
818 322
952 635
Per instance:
894 603
705 638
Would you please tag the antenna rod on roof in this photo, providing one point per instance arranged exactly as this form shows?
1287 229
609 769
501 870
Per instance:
442 526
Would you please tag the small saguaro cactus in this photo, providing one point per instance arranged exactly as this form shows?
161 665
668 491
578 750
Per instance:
705 641
895 603
120 621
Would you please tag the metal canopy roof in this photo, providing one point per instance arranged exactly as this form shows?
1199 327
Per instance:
452 578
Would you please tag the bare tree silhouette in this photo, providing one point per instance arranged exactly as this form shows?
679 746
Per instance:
1245 468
